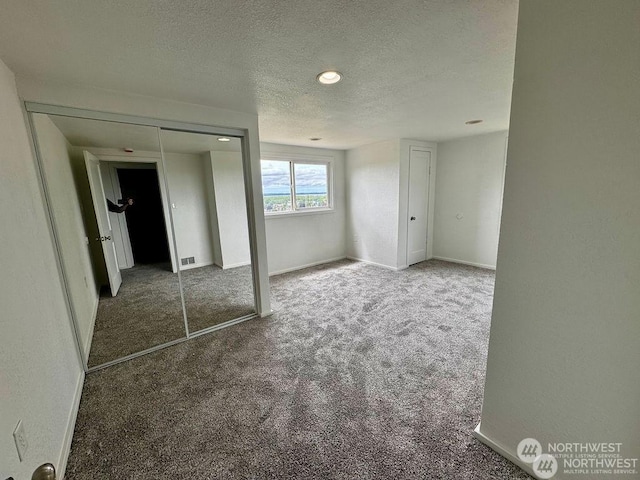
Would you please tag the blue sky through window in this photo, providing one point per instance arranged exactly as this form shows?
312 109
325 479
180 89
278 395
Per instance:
275 177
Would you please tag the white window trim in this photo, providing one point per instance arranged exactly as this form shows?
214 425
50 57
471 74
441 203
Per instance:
294 158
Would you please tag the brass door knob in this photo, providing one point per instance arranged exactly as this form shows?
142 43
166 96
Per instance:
44 472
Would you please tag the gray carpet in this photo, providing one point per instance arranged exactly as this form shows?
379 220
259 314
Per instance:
147 310
361 373
214 296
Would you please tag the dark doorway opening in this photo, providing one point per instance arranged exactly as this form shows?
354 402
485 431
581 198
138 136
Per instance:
145 219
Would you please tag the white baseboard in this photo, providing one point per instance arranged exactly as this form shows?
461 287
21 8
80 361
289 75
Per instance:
502 450
71 425
388 267
235 265
87 341
301 267
464 262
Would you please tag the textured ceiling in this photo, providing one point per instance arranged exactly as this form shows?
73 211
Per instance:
412 68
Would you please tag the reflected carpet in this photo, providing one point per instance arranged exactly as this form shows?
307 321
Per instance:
361 372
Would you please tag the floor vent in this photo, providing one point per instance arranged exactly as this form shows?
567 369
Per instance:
187 260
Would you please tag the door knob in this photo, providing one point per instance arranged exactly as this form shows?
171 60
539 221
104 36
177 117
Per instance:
413 218
44 472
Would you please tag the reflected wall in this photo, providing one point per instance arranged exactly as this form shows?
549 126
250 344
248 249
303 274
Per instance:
153 247
207 188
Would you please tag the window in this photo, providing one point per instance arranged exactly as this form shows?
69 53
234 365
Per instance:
290 186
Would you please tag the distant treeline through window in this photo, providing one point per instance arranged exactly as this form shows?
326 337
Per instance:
291 185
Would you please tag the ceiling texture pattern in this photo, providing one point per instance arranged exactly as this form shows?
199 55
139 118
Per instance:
412 68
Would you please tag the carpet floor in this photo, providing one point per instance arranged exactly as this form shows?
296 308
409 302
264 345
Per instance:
361 372
213 295
148 311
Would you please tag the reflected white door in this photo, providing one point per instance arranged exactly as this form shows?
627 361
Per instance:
419 170
104 225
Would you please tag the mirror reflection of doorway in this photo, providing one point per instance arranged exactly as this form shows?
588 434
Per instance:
80 160
160 270
147 307
145 310
142 225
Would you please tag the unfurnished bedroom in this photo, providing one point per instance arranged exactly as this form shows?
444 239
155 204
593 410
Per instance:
319 240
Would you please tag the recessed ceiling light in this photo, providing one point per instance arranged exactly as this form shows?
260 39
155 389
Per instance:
315 139
224 139
329 77
473 122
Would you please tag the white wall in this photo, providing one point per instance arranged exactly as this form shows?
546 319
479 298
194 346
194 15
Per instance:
89 217
469 184
377 185
40 372
55 156
295 241
212 209
564 356
186 176
231 209
373 189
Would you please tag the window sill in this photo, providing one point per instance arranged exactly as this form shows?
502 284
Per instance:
319 211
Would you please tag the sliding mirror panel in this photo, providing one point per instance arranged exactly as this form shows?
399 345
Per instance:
105 184
207 192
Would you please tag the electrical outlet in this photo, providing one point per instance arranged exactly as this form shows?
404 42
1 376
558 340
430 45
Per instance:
20 437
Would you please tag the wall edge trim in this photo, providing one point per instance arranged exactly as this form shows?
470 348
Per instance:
71 425
465 262
381 265
89 339
308 265
501 450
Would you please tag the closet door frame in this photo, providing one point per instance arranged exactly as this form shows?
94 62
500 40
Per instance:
255 217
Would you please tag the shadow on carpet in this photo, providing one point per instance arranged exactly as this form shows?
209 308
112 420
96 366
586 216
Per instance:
361 372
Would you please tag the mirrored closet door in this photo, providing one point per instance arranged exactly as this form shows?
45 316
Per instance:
208 202
107 195
153 246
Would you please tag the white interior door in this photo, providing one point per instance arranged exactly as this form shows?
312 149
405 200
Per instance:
104 225
419 171
121 240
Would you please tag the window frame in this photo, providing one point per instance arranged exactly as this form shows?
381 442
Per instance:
293 159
